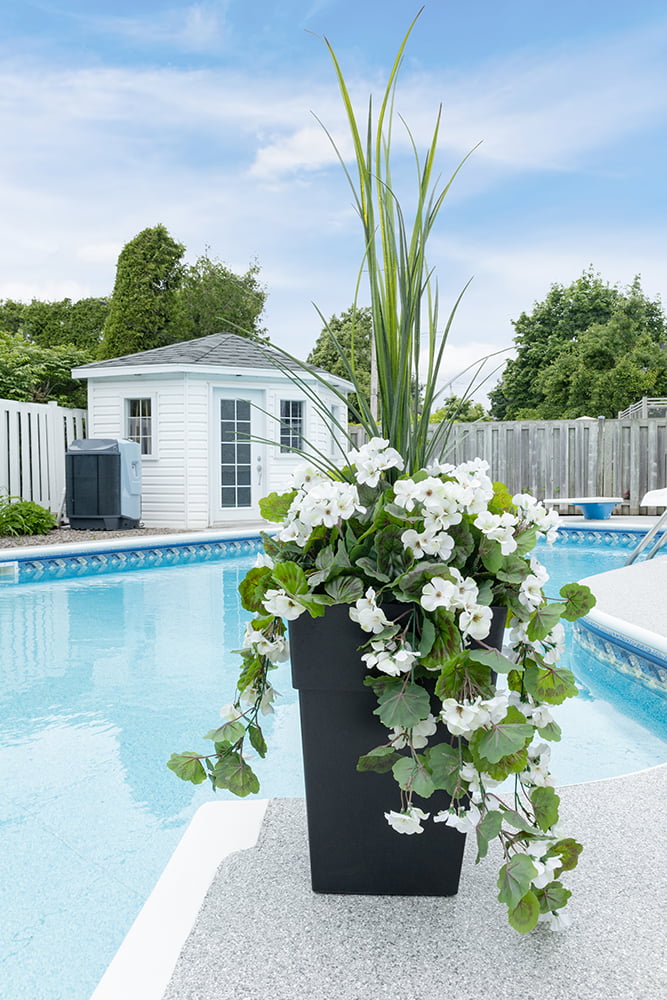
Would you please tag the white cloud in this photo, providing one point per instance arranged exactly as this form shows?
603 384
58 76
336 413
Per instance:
200 27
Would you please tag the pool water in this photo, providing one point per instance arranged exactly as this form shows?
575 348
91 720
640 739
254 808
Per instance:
102 679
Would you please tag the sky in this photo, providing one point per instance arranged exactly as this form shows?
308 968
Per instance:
117 115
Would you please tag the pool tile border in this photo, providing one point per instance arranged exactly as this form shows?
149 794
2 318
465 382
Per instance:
628 657
25 567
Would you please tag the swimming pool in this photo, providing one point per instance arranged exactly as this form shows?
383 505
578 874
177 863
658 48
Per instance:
103 677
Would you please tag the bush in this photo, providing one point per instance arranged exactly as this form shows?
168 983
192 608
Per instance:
24 517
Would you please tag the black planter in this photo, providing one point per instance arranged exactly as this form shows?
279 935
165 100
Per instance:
352 847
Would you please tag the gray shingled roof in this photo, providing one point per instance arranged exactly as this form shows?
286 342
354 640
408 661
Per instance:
227 349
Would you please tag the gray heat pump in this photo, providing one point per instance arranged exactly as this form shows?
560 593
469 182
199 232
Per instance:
103 484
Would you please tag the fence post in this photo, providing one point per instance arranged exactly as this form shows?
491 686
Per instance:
56 446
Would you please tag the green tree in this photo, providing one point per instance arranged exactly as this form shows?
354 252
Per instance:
552 335
34 374
455 408
352 330
214 299
51 323
145 309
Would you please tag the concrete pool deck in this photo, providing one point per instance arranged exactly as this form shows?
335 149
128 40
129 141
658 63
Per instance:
262 934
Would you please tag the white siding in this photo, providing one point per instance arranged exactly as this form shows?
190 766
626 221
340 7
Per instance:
177 481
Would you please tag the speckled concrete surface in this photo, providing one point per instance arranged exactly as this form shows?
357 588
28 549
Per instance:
635 594
263 935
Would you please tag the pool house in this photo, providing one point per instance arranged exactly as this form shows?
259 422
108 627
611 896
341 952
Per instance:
216 418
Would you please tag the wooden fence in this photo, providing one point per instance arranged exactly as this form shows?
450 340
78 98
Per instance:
570 458
33 440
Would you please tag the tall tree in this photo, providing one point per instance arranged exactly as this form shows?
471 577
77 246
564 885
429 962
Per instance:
214 299
559 335
145 308
352 330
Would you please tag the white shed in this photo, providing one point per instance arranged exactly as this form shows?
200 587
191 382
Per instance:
192 407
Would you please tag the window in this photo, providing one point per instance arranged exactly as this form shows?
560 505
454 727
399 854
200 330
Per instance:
235 460
291 424
139 423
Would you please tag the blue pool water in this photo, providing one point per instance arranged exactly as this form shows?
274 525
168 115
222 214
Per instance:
104 678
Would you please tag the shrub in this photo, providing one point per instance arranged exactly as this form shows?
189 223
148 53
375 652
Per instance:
24 517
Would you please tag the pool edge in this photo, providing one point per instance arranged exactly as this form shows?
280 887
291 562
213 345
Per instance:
143 965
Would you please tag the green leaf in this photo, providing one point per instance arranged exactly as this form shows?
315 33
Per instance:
257 740
464 543
392 558
403 705
427 636
345 589
232 772
490 554
526 542
552 897
502 738
412 774
549 683
579 600
545 806
518 821
253 588
568 850
230 732
275 506
447 642
492 658
461 673
514 569
444 763
511 764
514 879
543 620
370 568
380 760
291 578
188 767
524 916
488 829
551 732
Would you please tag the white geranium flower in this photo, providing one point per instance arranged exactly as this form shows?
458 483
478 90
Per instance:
390 658
405 493
277 602
557 920
540 716
230 713
264 560
438 593
418 734
530 593
460 718
545 871
248 697
414 540
476 622
407 822
305 475
373 458
368 615
556 642
464 821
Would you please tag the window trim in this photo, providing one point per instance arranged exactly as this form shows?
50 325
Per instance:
152 438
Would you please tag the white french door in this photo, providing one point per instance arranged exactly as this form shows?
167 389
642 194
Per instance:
240 461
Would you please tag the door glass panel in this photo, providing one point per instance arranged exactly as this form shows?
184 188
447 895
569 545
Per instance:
235 453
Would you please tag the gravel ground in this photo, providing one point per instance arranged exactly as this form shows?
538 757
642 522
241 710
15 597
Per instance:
63 536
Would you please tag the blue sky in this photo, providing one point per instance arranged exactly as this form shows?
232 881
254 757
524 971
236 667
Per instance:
115 116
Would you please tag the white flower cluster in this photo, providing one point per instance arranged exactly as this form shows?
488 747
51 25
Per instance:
372 459
537 515
458 594
275 650
319 501
390 657
464 718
